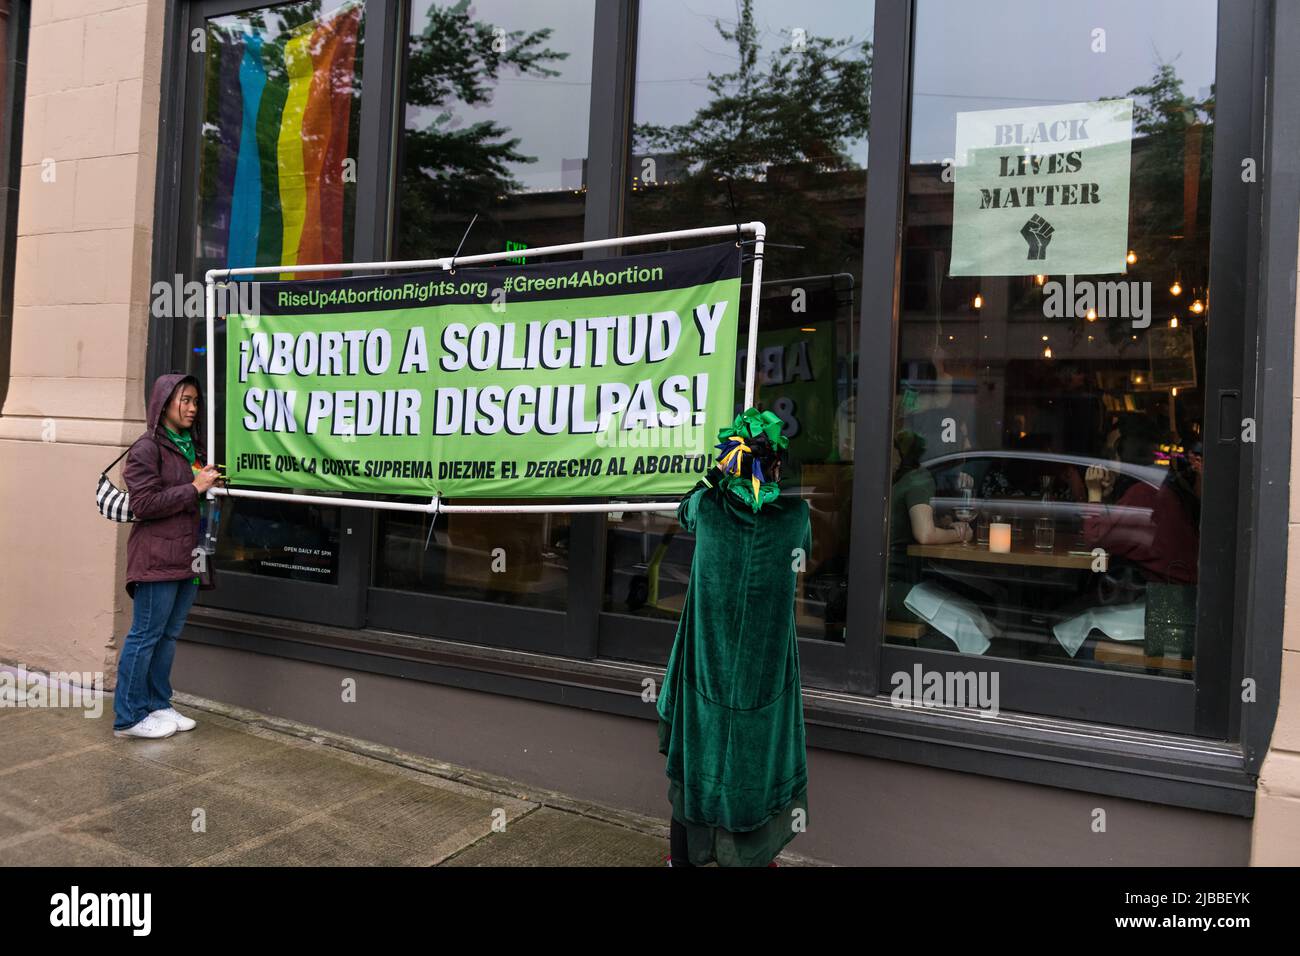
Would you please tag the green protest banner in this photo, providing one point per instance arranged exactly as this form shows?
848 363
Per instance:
1042 190
572 379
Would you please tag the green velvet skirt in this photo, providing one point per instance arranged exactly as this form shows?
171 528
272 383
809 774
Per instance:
715 844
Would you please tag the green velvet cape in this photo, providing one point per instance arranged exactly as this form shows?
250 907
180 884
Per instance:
731 710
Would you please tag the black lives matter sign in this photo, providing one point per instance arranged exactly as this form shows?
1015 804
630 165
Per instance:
1042 190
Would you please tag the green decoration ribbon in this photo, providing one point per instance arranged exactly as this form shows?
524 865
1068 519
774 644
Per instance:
733 442
766 492
751 423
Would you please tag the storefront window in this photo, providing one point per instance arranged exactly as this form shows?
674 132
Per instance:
496 112
277 186
282 92
1050 382
759 111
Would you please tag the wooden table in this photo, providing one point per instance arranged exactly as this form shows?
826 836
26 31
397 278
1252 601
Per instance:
1070 552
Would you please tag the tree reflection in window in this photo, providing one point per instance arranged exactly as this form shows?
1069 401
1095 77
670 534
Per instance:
770 130
452 168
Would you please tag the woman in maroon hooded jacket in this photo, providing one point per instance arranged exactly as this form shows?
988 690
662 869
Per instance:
166 479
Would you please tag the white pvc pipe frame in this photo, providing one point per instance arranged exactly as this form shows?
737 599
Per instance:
435 505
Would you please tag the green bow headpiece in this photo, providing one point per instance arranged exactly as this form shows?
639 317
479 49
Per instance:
734 441
751 423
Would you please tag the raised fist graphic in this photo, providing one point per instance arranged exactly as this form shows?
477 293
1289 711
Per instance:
1037 231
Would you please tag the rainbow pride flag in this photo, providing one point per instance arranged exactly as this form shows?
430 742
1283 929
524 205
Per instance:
282 107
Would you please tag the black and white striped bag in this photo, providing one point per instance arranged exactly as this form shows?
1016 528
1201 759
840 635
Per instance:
114 503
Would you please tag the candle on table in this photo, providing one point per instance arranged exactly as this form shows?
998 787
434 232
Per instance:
1000 538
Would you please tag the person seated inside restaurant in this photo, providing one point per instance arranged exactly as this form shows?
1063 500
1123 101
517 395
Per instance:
1152 526
951 619
1149 533
1044 475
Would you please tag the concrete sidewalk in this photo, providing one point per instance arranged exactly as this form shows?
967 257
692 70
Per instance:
243 789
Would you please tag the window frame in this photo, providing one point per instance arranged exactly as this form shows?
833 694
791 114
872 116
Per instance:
13 104
823 664
568 632
1258 237
1199 707
175 221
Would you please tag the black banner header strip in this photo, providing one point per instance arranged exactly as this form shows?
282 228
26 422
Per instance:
622 275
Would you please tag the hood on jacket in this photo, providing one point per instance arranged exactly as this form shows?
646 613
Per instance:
164 388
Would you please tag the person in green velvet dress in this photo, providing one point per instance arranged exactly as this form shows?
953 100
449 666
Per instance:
731 710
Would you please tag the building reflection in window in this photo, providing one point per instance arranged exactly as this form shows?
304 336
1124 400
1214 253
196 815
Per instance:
739 116
276 186
497 104
1080 427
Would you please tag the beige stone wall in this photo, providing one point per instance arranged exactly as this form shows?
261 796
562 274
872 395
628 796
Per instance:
81 301
1276 840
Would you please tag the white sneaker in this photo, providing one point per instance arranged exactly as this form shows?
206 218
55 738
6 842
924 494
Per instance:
151 727
176 717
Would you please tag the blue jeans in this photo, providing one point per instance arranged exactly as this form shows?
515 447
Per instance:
145 665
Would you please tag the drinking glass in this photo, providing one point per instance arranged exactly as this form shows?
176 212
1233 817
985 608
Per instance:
965 511
1044 534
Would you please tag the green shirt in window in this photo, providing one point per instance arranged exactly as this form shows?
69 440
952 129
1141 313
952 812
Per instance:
915 487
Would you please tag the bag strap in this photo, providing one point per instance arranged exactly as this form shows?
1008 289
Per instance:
128 451
117 459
